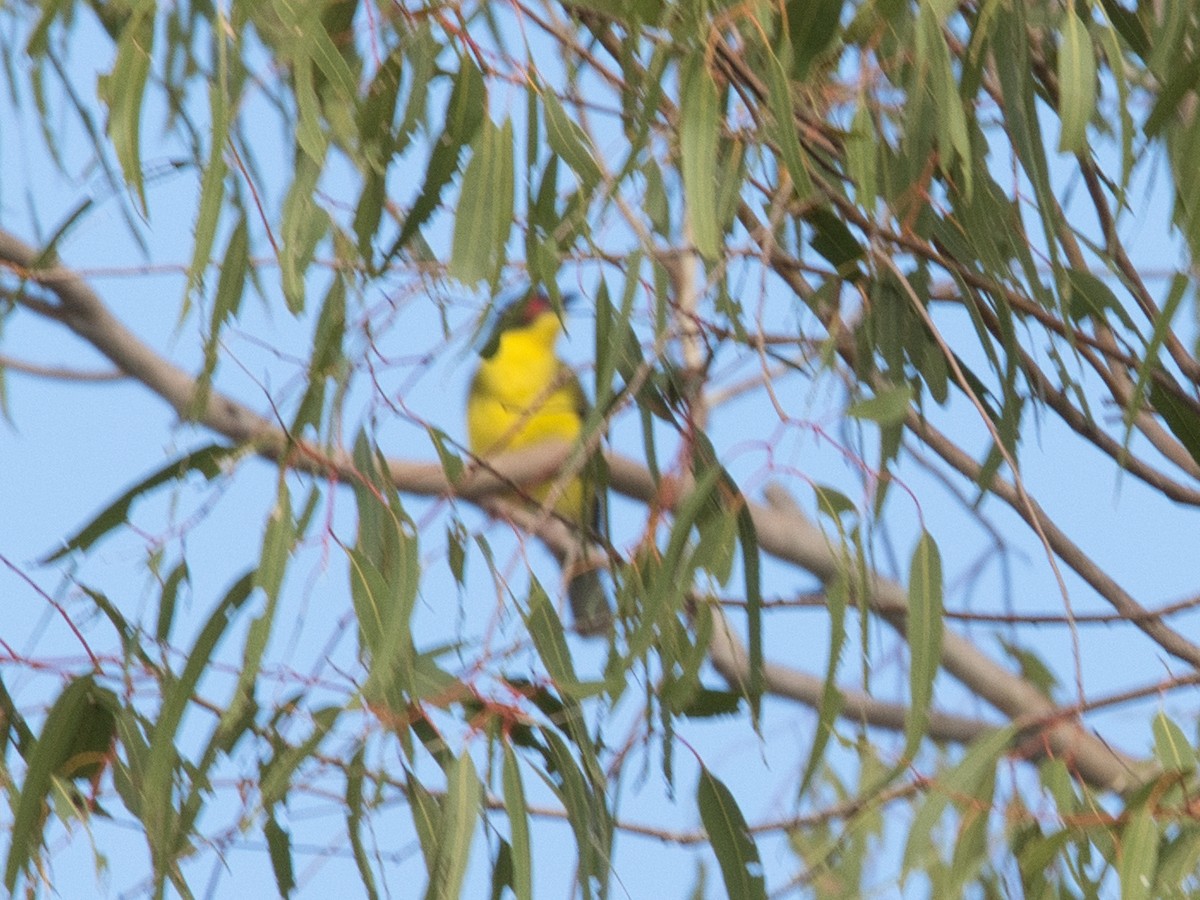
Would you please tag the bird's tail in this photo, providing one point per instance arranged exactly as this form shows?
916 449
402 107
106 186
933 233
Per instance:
589 604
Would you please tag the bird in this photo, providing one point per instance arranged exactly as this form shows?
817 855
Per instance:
522 394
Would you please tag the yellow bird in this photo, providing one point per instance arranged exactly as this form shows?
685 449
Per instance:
523 394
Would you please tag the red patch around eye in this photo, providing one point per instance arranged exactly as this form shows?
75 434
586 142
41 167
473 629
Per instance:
535 306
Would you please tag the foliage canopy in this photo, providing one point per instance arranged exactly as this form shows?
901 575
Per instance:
845 266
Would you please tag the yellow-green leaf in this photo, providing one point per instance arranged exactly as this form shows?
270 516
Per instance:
1076 83
698 123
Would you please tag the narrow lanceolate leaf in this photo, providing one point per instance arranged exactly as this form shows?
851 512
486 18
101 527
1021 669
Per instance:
235 267
124 88
206 460
546 629
1076 83
212 181
731 839
698 145
1139 856
464 115
837 596
158 812
951 121
1171 746
973 776
354 818
1179 415
460 812
585 811
279 849
518 826
570 142
485 206
784 132
277 544
924 636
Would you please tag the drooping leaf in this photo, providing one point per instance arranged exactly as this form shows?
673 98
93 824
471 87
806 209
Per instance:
279 850
698 133
518 826
924 636
485 207
731 839
207 461
1171 747
123 90
1139 855
1076 83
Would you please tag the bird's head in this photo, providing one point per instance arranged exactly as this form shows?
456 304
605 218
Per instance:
532 314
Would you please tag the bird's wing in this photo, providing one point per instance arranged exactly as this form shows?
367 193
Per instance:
570 381
593 473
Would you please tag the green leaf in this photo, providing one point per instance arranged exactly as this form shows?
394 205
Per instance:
586 811
731 839
1179 415
1011 53
427 818
549 637
452 463
1129 26
748 536
1182 80
933 59
158 810
698 134
275 779
862 156
465 113
1138 855
207 461
837 594
834 241
569 141
278 540
1033 669
123 90
231 284
485 207
707 703
377 111
279 849
212 179
327 358
384 575
964 781
354 818
518 826
167 601
924 637
1076 83
888 407
303 226
1171 747
1092 297
812 27
784 127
